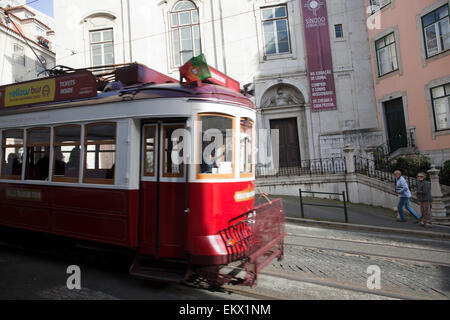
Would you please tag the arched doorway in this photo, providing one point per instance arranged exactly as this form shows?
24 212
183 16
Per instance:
283 107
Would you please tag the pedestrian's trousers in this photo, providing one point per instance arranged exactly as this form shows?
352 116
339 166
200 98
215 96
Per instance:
404 202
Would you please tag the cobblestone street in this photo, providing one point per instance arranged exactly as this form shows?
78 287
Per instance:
318 264
410 267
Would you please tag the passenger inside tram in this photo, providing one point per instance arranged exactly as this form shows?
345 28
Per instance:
13 166
73 165
42 166
59 162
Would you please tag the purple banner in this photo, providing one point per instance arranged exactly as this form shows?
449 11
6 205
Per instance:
318 51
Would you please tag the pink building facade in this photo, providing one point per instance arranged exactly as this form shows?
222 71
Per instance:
410 50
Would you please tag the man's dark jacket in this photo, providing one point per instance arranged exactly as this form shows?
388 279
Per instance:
424 191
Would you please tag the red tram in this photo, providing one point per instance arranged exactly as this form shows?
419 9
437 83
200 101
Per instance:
124 161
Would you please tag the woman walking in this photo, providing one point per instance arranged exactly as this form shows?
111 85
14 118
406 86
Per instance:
404 194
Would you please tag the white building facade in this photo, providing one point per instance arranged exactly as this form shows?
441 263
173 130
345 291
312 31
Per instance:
26 42
260 43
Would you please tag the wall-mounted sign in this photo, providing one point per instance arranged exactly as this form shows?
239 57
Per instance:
318 51
77 85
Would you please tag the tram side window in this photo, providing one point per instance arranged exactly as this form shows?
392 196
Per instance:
38 153
149 154
246 147
12 146
216 142
100 153
173 165
66 158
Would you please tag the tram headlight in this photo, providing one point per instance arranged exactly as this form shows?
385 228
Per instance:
251 217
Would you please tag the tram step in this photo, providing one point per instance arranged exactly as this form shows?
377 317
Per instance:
160 270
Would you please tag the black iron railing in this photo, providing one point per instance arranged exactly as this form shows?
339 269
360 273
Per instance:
342 194
380 170
305 167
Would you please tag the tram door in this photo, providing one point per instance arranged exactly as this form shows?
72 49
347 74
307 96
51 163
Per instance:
163 183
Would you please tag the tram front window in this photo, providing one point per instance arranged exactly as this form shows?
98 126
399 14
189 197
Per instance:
216 141
246 152
38 152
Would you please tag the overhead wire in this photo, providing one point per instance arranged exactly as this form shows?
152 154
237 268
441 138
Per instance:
24 38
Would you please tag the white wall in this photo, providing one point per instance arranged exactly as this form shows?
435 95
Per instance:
11 71
361 189
232 41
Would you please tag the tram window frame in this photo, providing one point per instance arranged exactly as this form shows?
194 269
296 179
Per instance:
56 144
245 173
202 176
89 180
40 144
7 146
164 173
153 172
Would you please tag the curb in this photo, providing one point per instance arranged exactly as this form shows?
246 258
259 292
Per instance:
361 227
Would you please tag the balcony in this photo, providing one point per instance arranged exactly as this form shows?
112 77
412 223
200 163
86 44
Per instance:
43 42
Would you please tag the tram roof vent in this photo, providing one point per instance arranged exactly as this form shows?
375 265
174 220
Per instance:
136 73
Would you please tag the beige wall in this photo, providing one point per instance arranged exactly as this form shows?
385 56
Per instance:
416 74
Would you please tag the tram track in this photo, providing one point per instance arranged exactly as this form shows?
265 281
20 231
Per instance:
361 253
250 294
340 286
271 276
380 243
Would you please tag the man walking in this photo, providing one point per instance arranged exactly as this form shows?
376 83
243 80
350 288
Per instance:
423 194
402 189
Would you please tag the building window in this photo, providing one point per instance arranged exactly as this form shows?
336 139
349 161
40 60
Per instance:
66 157
38 152
216 154
102 47
19 54
377 5
12 145
338 31
100 153
185 32
276 30
246 148
40 31
441 106
436 30
386 54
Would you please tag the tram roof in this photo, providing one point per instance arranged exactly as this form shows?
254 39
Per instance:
162 89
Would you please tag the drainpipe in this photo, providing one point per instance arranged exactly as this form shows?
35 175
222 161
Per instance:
223 39
129 30
214 33
123 33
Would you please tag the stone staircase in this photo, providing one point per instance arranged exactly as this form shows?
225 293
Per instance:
445 221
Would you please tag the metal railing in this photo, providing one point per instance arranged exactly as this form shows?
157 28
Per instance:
381 171
343 195
305 167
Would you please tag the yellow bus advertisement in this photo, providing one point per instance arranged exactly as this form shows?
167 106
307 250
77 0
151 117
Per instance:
29 93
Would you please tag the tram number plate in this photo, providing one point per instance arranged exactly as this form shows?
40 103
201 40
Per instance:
23 194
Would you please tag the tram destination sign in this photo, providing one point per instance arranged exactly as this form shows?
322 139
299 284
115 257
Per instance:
77 85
